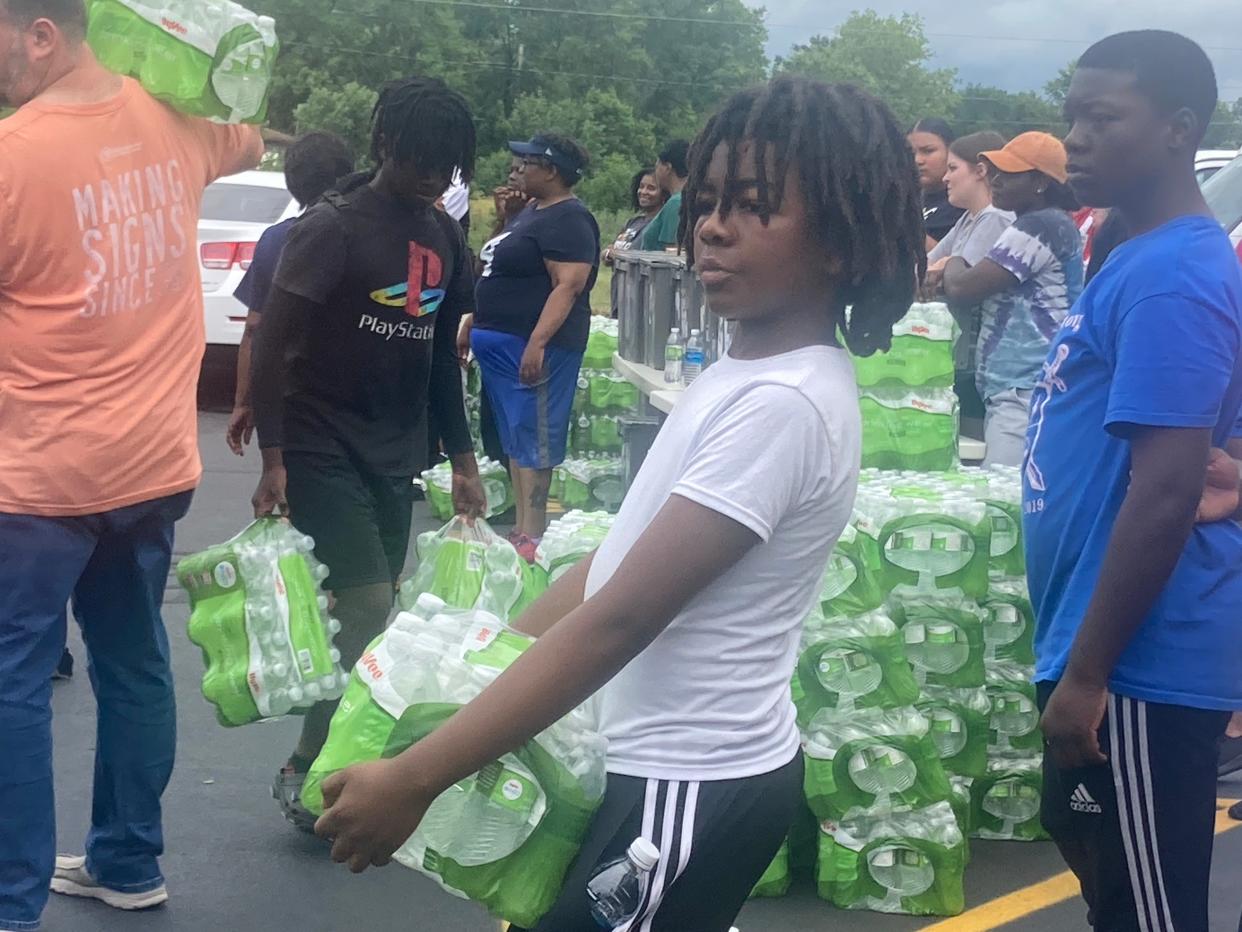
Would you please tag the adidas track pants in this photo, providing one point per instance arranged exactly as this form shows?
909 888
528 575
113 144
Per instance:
1138 830
715 838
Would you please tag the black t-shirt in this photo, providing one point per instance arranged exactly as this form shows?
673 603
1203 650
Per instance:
389 284
515 283
939 215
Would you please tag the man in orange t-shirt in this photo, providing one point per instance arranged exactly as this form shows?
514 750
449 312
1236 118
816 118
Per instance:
101 336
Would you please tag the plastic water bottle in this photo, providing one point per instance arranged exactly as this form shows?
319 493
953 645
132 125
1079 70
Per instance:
673 355
692 368
616 889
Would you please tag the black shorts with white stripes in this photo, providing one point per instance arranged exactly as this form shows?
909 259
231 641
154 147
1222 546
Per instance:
716 838
1138 830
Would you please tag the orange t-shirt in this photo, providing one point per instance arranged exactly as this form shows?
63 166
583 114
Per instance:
101 305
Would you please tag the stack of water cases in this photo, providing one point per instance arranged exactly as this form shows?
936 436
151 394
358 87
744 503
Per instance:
505 836
592 476
913 690
909 408
261 619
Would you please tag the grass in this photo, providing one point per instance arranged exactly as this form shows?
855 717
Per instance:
483 216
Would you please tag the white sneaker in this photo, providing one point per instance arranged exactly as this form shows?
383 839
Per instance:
71 879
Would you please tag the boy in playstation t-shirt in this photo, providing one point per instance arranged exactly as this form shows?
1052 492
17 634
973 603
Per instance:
358 341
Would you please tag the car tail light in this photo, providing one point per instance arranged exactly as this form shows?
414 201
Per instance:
223 256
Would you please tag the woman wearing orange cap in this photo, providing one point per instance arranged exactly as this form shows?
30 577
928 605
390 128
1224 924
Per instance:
1026 284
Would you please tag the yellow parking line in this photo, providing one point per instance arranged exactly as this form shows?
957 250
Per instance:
1050 892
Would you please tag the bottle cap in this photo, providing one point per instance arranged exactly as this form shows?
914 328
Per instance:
676 330
694 333
644 853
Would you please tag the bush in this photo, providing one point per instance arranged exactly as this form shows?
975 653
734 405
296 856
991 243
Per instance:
606 186
490 172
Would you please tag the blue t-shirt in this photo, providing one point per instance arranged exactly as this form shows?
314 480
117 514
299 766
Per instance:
253 289
1043 251
515 284
1153 341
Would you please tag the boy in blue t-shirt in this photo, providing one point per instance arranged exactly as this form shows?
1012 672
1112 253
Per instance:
1139 653
314 163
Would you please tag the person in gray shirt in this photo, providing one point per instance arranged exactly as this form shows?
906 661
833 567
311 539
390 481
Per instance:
975 232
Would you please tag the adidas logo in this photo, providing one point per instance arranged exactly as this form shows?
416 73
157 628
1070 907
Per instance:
1081 801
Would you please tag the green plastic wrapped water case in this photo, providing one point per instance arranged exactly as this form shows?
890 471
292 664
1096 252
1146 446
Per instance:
1009 623
871 760
468 566
943 634
571 538
921 355
908 862
438 482
206 58
909 428
852 663
1013 729
262 622
959 720
1005 801
854 581
506 836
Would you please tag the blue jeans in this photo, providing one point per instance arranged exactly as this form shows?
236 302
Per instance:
114 566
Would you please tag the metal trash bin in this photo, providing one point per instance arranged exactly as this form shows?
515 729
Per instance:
690 302
659 274
638 433
630 296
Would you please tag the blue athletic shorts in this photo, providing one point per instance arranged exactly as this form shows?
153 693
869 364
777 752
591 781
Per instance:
532 420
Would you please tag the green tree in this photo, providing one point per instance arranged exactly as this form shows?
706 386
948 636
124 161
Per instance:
983 107
1225 130
345 111
607 186
887 55
717 50
1056 89
327 47
600 121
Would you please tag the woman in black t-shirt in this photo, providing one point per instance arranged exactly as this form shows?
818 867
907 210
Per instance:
930 140
647 198
532 319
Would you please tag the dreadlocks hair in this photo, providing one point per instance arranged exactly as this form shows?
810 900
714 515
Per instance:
424 121
863 199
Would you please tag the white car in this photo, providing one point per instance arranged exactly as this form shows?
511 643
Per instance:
235 212
1209 161
1223 193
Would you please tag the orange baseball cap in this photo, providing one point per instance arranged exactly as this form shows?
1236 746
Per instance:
1038 152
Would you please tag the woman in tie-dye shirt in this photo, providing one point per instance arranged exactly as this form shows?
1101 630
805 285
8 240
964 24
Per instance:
1026 284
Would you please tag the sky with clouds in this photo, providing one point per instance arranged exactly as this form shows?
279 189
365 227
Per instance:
1030 40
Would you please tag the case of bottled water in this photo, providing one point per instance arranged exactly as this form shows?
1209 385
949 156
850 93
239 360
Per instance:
261 618
908 861
470 566
207 58
871 761
505 836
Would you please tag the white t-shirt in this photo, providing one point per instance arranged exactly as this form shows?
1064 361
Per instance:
773 444
457 197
